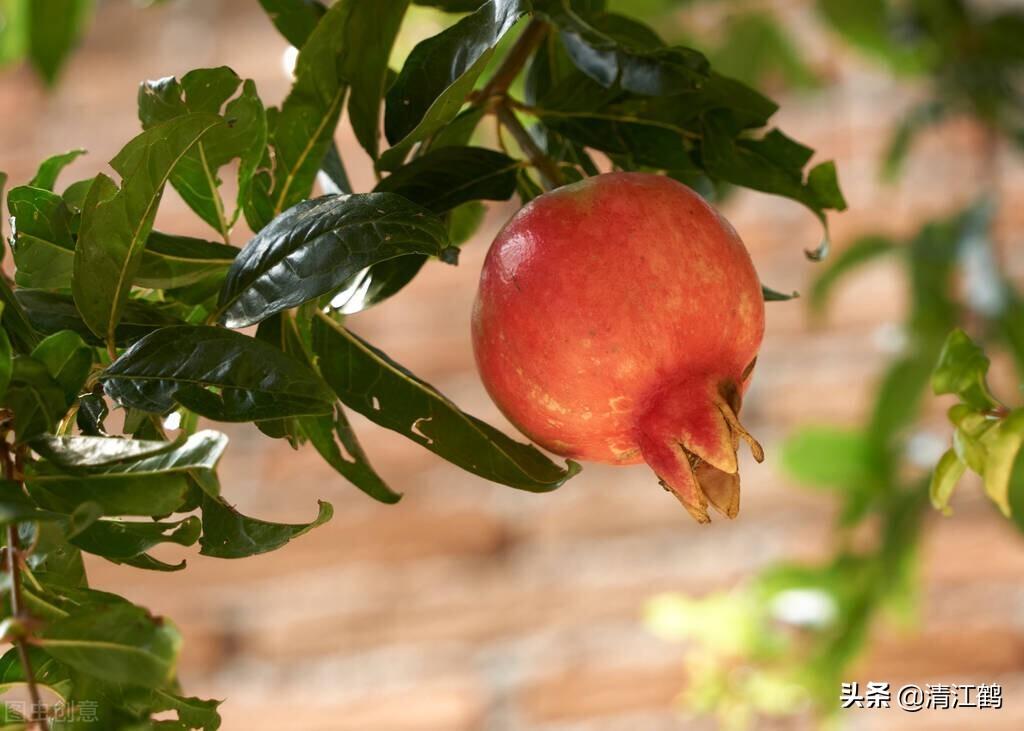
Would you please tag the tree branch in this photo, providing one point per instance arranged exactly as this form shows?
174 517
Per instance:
17 606
515 60
550 175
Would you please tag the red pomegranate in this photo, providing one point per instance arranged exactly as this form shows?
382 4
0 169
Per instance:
618 320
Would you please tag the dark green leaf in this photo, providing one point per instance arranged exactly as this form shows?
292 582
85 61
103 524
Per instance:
20 331
301 132
452 6
449 176
623 58
439 74
171 261
54 29
92 413
217 373
16 507
44 250
153 485
380 389
334 439
82 454
294 19
116 223
195 176
315 246
376 283
6 360
50 312
68 359
50 168
36 399
119 643
229 534
372 33
119 540
333 169
771 295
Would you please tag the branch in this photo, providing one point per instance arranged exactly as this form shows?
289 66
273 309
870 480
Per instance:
550 175
514 61
17 606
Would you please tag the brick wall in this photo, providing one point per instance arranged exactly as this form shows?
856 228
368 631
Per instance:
472 607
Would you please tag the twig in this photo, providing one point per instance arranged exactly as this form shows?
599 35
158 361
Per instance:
514 61
550 175
17 607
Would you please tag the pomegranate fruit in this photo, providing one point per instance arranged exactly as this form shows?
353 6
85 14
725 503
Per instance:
618 320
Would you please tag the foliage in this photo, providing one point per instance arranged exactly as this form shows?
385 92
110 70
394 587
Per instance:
118 337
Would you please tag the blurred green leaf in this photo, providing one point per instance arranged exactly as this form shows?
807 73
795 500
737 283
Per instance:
1002 453
755 47
315 246
868 25
116 223
947 474
917 119
366 66
962 370
368 382
860 252
50 168
229 534
55 27
826 456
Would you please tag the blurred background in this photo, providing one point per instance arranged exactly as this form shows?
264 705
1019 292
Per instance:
602 606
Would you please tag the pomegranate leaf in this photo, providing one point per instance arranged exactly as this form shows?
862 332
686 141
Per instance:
439 73
42 242
962 370
294 19
50 168
115 223
217 373
195 176
314 247
449 176
229 534
369 382
119 540
171 261
51 312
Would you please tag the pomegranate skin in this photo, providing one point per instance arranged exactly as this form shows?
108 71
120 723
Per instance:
617 320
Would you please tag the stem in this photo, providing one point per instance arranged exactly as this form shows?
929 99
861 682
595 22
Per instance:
17 607
550 175
515 60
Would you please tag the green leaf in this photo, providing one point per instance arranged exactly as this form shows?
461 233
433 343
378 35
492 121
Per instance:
439 73
315 246
42 243
917 119
50 312
947 474
860 252
84 454
828 457
115 225
771 295
372 32
369 382
68 359
302 131
36 399
294 19
868 25
962 370
20 331
50 168
195 176
756 47
6 361
153 485
216 373
1002 452
54 29
118 643
333 438
92 413
617 59
45 670
229 534
170 261
120 540
16 507
449 176
376 283
452 6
